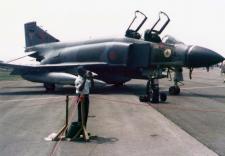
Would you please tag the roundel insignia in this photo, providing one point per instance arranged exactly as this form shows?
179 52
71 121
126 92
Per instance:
112 56
167 53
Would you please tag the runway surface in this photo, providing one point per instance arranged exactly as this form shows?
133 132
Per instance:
190 124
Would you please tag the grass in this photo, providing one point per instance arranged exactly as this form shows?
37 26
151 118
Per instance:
5 76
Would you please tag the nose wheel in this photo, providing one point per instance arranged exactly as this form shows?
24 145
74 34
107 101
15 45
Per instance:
174 90
178 78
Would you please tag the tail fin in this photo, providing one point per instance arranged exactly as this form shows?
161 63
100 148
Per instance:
35 35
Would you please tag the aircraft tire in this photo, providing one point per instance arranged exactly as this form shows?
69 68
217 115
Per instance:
174 90
177 90
163 97
155 96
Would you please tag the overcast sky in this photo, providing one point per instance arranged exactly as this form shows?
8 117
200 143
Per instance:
198 22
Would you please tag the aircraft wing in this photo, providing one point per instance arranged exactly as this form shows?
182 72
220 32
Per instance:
21 69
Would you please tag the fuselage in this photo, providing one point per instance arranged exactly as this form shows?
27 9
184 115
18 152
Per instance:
125 58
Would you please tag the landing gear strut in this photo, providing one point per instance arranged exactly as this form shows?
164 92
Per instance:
178 77
152 92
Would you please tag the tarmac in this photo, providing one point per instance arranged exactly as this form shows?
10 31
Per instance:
191 124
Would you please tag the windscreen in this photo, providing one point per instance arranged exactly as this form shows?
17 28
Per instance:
171 40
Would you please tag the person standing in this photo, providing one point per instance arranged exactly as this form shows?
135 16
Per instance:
82 85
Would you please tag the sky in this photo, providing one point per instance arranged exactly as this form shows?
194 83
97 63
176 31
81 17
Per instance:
195 22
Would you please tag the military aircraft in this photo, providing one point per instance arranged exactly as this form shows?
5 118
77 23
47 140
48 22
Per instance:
113 60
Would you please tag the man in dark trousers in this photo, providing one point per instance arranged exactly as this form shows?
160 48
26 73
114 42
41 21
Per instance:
82 85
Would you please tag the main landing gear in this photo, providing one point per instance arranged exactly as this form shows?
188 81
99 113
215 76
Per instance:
152 92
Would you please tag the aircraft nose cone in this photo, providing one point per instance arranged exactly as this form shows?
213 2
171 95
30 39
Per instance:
202 57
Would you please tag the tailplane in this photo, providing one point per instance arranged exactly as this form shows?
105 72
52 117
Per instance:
35 35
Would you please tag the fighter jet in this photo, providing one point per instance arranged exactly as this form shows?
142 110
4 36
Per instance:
112 60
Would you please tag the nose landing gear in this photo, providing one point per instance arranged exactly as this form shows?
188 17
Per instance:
178 77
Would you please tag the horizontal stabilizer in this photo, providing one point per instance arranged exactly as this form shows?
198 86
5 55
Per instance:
28 54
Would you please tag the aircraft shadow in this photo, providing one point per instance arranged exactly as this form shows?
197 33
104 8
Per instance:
20 87
202 95
130 89
99 140
20 93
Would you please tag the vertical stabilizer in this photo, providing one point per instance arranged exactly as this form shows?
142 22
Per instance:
35 35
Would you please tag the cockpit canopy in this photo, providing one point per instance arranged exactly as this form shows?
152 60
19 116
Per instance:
137 22
152 34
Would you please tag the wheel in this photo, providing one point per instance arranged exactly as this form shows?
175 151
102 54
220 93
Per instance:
49 87
174 90
177 90
155 96
163 97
